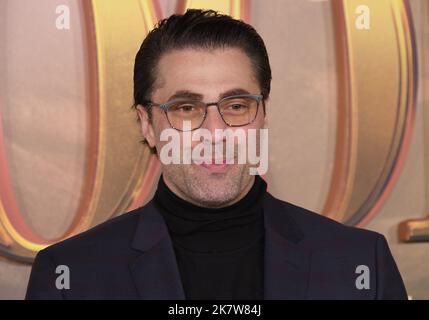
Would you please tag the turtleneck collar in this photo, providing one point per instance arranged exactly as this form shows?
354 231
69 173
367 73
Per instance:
213 230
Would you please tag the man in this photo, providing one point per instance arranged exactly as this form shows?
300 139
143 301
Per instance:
212 230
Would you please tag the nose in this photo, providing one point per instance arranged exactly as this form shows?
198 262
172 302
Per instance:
213 120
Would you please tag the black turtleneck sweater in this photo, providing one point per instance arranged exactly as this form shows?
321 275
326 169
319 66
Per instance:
220 252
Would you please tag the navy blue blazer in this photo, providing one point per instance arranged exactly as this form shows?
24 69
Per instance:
307 256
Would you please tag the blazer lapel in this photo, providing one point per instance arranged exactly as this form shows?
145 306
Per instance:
286 262
155 271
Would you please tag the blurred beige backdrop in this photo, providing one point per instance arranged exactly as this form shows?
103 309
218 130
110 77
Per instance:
302 117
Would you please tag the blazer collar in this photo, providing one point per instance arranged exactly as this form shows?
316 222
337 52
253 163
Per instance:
286 262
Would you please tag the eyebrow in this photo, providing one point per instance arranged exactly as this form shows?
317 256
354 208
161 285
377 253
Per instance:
186 94
233 92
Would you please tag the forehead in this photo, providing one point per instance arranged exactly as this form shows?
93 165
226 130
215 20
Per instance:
208 72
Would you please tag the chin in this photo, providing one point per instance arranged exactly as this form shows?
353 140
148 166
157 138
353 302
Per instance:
217 193
214 201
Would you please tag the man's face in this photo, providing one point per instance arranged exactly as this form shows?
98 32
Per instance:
209 73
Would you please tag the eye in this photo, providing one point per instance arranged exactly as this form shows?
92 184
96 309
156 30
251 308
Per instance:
183 107
237 106
186 108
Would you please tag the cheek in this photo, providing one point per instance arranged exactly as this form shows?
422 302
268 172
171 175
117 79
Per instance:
259 120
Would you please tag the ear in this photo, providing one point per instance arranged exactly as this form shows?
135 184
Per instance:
146 125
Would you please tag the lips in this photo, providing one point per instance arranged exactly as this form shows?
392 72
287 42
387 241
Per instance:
216 165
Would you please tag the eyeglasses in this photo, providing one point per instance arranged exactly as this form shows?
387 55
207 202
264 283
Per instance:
235 111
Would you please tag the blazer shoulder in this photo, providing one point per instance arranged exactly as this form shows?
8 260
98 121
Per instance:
317 227
111 233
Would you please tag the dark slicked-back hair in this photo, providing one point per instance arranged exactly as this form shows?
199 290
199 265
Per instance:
200 29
